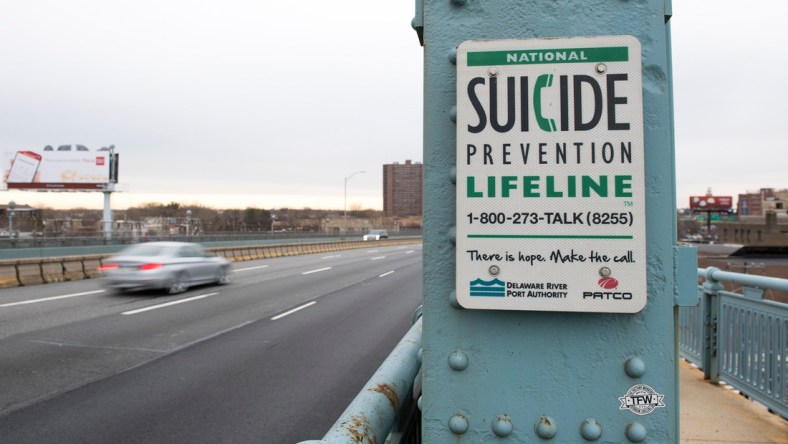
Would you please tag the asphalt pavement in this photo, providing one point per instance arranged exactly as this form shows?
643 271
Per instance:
276 356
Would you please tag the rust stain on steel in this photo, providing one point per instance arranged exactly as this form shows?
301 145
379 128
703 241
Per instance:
358 429
388 391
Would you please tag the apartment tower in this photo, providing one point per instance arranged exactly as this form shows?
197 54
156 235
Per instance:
402 188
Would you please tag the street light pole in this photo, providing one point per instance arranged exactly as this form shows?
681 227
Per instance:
188 222
11 206
346 179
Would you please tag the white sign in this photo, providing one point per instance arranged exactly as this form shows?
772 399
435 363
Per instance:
56 170
551 208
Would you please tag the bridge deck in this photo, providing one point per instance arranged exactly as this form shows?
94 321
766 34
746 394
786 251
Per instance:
714 414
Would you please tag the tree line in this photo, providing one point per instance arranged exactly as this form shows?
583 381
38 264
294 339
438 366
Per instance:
199 218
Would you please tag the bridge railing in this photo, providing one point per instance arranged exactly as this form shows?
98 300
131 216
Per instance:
31 271
46 247
739 338
386 408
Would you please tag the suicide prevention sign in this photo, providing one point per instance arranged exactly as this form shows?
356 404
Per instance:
551 208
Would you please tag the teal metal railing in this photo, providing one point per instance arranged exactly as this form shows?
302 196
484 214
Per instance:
740 338
385 409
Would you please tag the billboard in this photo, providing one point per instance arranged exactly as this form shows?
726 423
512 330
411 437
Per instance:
711 203
56 170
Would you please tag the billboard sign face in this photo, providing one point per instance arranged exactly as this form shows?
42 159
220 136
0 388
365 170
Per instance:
550 175
56 170
711 203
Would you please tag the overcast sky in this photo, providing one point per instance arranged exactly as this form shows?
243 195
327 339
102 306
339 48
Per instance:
273 104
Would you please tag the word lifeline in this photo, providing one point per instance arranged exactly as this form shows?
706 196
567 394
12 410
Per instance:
549 186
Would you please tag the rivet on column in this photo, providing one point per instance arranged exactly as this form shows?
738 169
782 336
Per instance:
590 429
502 426
545 428
636 432
458 424
458 361
635 367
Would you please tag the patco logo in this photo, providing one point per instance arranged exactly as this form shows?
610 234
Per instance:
608 282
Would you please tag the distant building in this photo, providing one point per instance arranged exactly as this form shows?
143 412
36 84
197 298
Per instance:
770 229
765 199
402 189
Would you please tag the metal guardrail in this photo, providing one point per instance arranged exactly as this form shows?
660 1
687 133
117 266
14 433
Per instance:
388 396
740 338
19 272
38 241
44 247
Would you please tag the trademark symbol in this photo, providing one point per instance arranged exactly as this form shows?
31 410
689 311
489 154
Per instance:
628 203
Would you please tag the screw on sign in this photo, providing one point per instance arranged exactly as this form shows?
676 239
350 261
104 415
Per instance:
607 281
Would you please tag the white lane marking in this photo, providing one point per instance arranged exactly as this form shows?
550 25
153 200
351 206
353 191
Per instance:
167 304
289 312
386 274
251 268
411 251
33 301
331 257
316 271
378 258
372 251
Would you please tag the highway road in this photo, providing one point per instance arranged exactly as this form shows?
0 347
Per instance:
273 357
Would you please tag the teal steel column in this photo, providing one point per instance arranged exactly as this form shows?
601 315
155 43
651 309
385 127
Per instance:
528 376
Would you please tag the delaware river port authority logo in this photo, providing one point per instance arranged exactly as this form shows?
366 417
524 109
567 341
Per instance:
641 400
494 288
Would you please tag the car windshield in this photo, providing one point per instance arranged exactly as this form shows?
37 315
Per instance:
144 250
376 232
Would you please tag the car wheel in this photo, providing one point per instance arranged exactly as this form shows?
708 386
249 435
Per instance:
178 284
224 276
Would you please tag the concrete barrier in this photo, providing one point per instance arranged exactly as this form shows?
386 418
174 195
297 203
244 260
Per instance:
20 272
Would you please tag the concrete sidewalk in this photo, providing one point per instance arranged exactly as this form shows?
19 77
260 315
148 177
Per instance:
715 414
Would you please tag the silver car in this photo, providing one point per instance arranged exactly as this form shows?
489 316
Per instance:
172 266
376 235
